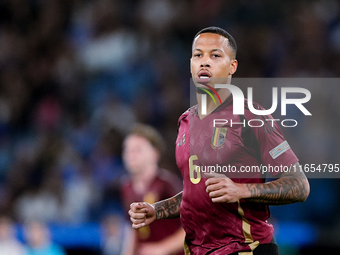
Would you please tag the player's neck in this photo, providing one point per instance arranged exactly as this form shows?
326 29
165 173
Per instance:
210 104
142 180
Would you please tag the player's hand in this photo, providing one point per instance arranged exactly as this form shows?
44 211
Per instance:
141 214
222 189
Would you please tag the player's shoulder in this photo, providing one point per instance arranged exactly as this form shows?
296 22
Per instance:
192 109
185 114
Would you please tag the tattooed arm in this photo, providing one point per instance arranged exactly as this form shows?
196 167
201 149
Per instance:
142 214
169 208
291 187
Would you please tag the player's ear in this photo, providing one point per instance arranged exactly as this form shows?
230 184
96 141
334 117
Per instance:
233 66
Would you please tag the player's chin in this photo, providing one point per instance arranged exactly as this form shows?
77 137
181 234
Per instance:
201 82
202 88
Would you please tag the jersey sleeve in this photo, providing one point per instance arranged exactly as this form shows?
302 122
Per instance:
275 151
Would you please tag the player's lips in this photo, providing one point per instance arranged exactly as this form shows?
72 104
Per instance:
204 76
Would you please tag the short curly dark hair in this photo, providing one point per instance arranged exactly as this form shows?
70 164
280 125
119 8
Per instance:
222 32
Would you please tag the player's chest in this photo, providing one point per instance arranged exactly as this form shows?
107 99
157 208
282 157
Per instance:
200 140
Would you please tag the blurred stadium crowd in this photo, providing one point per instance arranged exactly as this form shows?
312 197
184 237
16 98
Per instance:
76 74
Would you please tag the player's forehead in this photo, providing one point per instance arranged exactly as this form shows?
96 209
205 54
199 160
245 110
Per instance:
210 40
135 140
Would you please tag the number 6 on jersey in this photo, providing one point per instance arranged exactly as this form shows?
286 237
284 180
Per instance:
193 170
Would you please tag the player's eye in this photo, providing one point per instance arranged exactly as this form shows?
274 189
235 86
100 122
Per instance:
216 56
197 55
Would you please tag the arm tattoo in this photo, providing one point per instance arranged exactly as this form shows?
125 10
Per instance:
169 208
291 187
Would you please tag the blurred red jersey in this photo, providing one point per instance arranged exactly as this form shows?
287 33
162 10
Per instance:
164 185
224 228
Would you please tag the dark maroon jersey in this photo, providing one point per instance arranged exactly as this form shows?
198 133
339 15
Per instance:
164 185
224 228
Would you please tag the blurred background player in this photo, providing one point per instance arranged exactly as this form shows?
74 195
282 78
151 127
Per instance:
9 245
148 183
38 240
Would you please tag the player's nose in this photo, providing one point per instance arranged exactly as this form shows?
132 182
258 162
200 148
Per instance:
205 64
